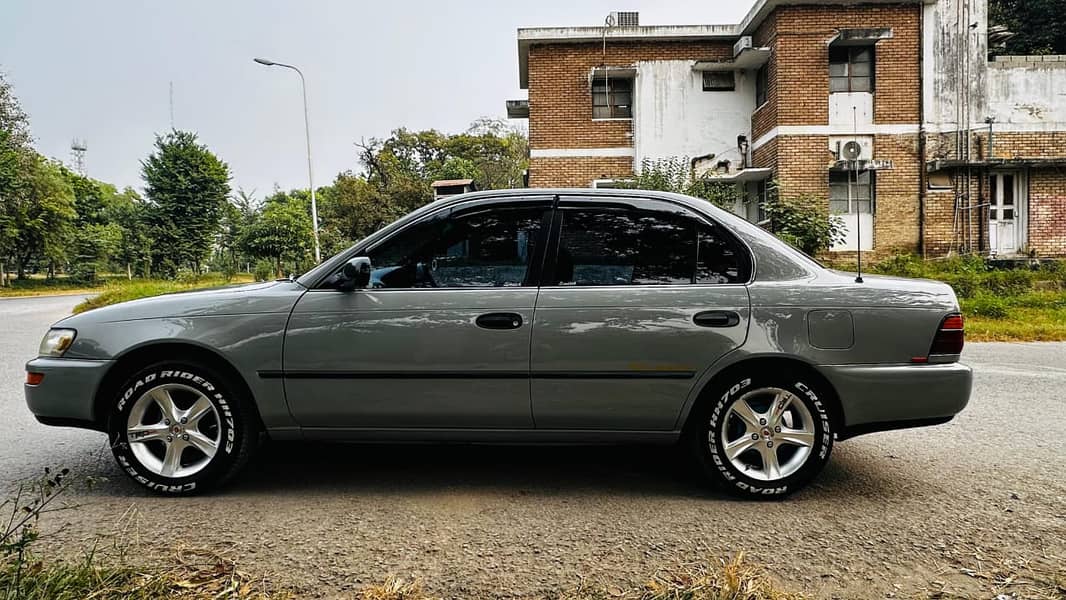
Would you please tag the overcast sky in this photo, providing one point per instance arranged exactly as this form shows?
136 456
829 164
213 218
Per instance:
101 71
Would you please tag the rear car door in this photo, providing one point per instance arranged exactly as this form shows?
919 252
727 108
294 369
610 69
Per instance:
638 297
440 338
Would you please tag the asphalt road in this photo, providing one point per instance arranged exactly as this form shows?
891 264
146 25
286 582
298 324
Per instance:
898 513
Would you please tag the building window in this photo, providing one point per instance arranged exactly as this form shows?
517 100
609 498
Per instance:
851 69
757 212
851 192
762 82
612 98
719 81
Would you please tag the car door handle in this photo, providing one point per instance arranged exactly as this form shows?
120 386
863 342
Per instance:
499 321
717 318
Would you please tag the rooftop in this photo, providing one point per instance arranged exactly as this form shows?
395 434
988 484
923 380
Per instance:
528 36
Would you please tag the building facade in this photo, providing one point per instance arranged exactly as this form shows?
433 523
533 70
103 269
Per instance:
888 113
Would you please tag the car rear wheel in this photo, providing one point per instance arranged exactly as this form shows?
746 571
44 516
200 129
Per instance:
180 428
763 435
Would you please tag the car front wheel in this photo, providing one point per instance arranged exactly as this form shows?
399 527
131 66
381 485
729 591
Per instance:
180 428
763 435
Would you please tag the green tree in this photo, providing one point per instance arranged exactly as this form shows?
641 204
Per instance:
129 214
498 152
187 187
95 239
237 215
281 232
43 217
16 162
351 209
1039 26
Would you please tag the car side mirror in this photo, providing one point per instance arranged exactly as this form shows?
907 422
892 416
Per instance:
356 274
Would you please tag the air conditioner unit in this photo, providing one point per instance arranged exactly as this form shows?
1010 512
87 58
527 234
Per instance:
852 148
623 19
745 43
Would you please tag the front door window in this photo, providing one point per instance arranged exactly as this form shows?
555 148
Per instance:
484 248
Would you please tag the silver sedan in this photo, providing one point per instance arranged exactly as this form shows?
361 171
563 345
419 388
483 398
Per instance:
527 316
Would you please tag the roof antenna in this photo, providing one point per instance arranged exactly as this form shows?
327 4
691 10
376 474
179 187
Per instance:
858 213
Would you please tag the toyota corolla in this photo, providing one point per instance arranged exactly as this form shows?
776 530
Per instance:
527 316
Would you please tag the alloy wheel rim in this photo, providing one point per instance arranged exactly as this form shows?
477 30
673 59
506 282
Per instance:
768 434
173 430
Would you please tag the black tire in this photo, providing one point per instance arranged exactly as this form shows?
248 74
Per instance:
234 424
713 413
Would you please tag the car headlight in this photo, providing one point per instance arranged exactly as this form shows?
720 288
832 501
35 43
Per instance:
56 342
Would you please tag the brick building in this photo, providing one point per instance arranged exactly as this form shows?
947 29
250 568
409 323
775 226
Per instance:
857 105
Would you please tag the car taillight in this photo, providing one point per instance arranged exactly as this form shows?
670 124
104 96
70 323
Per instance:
949 336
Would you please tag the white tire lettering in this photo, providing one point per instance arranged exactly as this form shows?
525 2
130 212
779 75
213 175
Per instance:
135 388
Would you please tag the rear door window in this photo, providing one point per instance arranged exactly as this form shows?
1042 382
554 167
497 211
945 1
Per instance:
624 245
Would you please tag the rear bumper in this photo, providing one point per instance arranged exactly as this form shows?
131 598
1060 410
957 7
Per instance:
884 397
66 395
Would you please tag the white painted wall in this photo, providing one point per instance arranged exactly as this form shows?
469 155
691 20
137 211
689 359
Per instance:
955 62
1028 94
673 116
851 109
856 226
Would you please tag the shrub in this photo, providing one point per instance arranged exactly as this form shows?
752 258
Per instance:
674 174
264 270
187 276
1009 283
85 273
966 285
903 265
985 305
803 222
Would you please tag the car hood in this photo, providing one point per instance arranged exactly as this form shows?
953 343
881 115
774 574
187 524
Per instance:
254 298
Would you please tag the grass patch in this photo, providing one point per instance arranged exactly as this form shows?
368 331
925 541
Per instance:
123 291
41 286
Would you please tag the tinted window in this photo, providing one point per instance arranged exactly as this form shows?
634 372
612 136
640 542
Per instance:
620 246
489 248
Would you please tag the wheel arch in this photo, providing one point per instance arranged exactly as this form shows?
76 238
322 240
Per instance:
768 362
141 356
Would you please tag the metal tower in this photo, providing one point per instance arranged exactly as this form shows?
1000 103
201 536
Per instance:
77 154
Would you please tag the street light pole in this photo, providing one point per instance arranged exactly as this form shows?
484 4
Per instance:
307 130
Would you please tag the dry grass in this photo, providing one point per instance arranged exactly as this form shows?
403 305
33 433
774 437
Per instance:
191 574
1040 579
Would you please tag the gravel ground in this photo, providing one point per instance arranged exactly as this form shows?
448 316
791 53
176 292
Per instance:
894 514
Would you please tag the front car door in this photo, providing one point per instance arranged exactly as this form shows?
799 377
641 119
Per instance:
440 338
639 297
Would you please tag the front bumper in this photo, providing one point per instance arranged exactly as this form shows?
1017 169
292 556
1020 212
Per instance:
884 397
66 396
